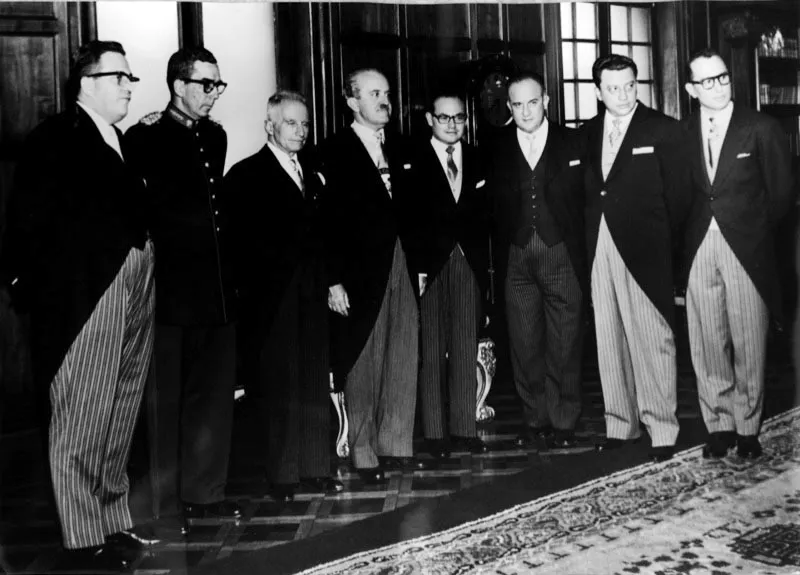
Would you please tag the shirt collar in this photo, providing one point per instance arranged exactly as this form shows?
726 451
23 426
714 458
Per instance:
441 148
99 121
721 117
366 134
281 155
184 120
539 132
624 120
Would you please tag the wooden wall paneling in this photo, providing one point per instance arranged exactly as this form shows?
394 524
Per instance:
190 24
361 18
428 72
488 21
669 56
438 20
552 62
81 24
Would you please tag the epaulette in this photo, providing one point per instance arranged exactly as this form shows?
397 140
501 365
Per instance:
151 118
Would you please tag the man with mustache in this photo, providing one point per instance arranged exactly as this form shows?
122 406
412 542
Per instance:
375 329
283 299
634 206
77 257
181 153
741 187
535 181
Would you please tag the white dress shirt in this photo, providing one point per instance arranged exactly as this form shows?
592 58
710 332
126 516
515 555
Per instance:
372 141
610 150
722 120
441 152
106 130
532 144
285 160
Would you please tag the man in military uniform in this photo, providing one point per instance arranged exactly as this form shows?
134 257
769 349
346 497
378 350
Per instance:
181 154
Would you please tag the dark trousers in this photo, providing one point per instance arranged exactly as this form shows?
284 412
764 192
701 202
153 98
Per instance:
293 384
190 414
544 309
449 316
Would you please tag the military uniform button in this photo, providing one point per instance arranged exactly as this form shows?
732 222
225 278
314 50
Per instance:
603 193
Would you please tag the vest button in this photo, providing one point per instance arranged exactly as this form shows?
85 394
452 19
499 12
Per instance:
603 193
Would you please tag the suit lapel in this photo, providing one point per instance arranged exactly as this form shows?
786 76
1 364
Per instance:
737 133
696 153
275 167
596 146
624 154
362 161
432 167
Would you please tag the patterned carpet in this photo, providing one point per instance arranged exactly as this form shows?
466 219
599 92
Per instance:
687 515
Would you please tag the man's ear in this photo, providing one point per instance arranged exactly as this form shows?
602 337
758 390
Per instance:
429 118
179 87
690 89
269 127
352 103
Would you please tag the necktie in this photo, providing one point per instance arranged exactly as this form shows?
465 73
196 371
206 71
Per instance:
712 135
298 176
531 150
381 164
616 132
452 169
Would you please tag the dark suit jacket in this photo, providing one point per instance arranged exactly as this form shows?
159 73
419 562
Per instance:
643 200
362 223
562 190
753 189
439 222
188 217
276 231
76 211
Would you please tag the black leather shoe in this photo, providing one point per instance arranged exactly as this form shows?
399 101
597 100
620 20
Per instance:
610 444
530 435
562 439
136 537
402 463
471 444
661 453
748 446
719 443
438 448
371 475
102 558
282 492
321 485
218 509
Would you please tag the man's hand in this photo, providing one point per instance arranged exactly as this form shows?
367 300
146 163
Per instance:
337 300
423 282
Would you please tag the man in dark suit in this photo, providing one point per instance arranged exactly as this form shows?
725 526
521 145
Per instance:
283 298
535 183
450 256
181 153
375 333
633 207
77 257
741 185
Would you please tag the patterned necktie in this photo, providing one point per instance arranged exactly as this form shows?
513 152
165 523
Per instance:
298 176
616 132
381 164
712 135
452 169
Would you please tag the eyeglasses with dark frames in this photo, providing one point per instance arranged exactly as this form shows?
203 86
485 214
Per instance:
118 74
445 119
707 83
208 85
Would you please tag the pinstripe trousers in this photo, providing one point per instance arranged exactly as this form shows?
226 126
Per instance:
635 351
728 322
381 388
95 398
449 315
544 310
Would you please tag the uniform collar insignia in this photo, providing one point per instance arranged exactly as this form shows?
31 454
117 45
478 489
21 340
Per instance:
180 117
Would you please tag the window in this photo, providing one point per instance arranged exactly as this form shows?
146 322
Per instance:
583 39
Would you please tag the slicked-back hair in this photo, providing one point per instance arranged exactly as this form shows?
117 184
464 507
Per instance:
279 98
445 93
181 63
351 89
86 61
612 62
527 75
701 53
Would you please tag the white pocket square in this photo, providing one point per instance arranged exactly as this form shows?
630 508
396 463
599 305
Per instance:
406 166
321 179
743 155
480 184
574 163
643 150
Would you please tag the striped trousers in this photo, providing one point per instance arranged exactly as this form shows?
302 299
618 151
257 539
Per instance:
381 388
449 315
95 398
728 322
635 351
544 310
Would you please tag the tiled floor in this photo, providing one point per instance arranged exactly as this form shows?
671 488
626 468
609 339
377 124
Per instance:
29 534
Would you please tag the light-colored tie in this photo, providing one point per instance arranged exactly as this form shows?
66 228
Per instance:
532 150
616 132
452 169
298 177
713 134
381 163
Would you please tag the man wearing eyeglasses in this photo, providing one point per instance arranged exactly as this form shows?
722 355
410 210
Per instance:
535 183
181 153
742 186
374 333
78 258
450 258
